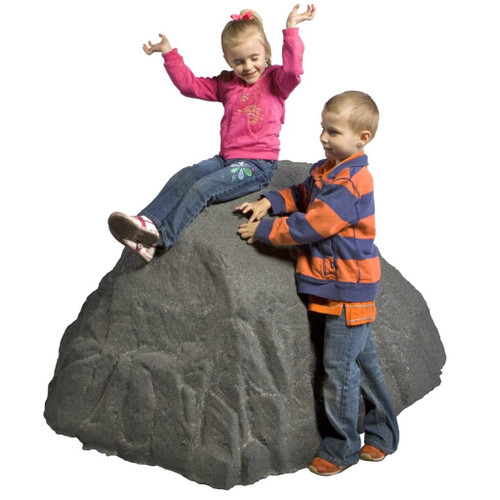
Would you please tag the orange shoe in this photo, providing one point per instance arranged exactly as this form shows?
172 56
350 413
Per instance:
371 454
323 468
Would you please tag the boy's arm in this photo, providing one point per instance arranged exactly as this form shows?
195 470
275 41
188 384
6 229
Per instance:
258 208
323 219
248 231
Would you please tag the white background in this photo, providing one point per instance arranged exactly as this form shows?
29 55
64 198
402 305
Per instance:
90 124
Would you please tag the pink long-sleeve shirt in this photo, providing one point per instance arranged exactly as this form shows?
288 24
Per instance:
253 114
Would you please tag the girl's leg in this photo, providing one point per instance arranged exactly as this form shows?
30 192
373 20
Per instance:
342 346
176 188
140 233
381 427
233 178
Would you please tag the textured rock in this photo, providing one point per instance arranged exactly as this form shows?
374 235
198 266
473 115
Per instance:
204 361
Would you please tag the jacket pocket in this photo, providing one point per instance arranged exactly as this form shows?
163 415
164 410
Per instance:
329 260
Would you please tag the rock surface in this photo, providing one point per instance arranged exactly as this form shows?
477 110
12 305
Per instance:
204 361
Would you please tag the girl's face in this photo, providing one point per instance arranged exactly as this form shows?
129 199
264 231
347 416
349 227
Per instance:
248 59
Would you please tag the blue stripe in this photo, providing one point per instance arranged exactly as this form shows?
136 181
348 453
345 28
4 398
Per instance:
336 290
277 202
300 229
366 206
340 200
297 198
264 229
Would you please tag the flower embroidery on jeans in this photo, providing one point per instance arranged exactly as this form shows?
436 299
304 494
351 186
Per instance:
240 170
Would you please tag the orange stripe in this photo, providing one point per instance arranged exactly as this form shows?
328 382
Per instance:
363 181
324 219
356 313
365 229
314 267
359 185
364 271
343 179
280 233
330 165
333 309
290 205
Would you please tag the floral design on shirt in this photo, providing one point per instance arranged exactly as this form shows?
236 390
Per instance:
252 111
250 106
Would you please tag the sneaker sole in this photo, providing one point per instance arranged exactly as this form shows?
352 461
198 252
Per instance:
368 458
327 474
122 228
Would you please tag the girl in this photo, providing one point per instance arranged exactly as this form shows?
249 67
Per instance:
253 96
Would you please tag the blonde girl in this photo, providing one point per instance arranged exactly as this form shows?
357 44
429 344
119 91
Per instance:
253 94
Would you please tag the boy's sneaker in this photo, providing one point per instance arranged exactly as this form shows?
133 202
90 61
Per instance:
145 251
371 454
322 467
133 228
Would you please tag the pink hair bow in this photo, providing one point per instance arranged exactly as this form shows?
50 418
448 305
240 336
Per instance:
247 16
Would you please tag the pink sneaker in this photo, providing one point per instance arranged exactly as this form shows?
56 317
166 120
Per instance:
133 228
145 251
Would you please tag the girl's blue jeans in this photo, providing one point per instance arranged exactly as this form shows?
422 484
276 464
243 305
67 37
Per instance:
352 369
191 189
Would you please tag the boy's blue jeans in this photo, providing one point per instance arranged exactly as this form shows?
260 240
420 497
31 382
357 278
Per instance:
352 368
191 189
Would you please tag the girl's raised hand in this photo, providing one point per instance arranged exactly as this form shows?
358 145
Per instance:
163 46
295 18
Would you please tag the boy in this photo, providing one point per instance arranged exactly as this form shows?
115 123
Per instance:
332 221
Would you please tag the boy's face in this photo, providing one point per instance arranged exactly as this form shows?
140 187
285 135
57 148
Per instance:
248 59
339 139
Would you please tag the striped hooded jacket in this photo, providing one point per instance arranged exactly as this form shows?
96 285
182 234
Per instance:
332 221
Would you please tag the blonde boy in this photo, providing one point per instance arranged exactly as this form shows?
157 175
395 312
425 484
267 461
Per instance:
331 219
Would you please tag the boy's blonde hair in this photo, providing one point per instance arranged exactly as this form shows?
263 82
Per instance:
236 30
358 108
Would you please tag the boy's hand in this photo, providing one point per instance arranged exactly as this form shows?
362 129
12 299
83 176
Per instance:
295 18
248 231
258 208
163 46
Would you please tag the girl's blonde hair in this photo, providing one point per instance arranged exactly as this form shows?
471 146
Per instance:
358 108
236 30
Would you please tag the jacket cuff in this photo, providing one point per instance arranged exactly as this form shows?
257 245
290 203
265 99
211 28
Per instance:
264 230
277 202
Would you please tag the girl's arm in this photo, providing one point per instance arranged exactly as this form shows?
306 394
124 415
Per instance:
184 79
287 77
163 46
181 76
295 18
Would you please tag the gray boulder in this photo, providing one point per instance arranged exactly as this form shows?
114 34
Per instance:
204 361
